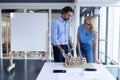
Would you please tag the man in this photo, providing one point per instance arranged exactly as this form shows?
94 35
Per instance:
59 34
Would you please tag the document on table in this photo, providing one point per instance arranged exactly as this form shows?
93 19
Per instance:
78 76
69 76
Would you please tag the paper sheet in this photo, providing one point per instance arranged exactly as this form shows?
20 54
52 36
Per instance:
78 76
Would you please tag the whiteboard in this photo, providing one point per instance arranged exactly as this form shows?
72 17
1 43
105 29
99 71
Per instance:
29 31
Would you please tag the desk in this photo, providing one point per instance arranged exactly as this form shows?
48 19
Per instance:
74 73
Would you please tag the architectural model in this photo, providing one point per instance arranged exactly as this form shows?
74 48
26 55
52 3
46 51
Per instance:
71 61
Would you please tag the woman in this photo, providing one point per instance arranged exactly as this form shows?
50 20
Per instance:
87 40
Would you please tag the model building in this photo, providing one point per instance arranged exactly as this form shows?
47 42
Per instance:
72 61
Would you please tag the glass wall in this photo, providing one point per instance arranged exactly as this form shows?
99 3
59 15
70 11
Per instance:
6 34
113 33
109 19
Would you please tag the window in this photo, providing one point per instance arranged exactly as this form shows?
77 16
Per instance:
113 33
109 33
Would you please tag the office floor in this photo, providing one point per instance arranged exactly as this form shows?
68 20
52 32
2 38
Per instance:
24 70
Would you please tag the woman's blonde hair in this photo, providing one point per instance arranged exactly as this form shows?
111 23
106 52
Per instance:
92 22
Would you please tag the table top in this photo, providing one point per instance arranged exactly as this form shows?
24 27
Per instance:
74 73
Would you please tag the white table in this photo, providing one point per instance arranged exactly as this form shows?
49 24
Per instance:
74 73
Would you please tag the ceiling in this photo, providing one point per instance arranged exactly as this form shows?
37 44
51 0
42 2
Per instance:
83 10
37 1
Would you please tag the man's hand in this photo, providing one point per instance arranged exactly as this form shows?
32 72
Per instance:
70 45
63 53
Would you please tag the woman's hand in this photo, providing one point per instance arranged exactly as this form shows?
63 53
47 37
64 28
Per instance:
97 61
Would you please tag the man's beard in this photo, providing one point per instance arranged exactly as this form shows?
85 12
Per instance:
66 19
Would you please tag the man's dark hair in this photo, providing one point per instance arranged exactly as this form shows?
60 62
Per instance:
66 10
